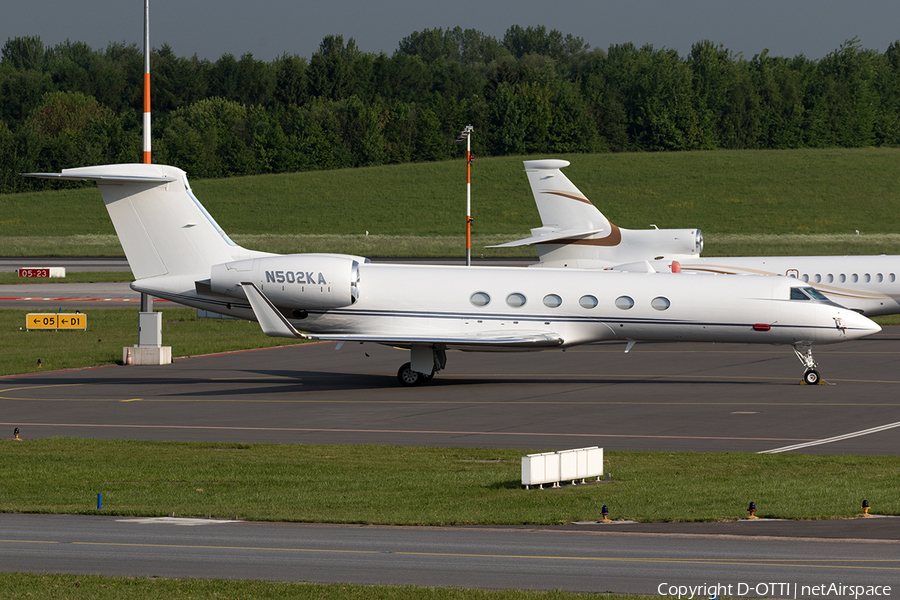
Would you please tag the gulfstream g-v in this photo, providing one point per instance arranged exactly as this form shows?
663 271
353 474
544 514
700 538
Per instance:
178 252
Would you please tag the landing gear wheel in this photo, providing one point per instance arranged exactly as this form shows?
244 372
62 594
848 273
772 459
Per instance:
408 377
811 377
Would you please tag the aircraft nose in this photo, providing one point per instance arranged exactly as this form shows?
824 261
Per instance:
856 325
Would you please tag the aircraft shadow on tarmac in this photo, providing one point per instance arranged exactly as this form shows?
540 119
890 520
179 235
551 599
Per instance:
260 385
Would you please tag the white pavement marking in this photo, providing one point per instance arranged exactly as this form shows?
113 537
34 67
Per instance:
838 438
176 521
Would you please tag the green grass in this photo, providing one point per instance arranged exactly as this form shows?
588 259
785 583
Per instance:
110 330
16 586
419 209
426 486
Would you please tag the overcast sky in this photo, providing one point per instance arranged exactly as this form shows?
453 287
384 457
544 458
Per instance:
269 28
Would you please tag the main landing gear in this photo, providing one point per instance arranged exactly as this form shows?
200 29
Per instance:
425 364
804 353
409 378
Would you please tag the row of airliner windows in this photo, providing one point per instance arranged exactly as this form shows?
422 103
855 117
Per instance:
517 300
854 278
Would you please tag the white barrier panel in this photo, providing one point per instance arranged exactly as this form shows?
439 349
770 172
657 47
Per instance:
581 468
594 462
538 469
565 465
532 469
551 468
568 464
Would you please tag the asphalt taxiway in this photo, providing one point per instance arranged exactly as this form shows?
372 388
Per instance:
678 396
499 557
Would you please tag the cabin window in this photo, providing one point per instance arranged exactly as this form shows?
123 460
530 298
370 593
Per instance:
624 302
842 278
588 302
891 278
797 294
480 299
805 278
818 278
515 300
552 301
660 303
854 278
879 278
829 278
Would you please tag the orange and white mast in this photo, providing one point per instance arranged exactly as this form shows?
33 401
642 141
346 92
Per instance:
467 134
147 82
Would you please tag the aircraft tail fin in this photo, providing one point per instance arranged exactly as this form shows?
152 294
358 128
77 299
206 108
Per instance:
566 213
562 205
163 228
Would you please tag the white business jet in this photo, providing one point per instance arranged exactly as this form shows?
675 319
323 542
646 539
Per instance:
177 251
576 234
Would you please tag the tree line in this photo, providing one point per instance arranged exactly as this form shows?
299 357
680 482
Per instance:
533 91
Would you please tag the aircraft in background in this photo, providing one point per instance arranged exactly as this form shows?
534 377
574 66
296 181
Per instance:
575 234
178 252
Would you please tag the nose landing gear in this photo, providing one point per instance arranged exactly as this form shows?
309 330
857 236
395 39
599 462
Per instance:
803 351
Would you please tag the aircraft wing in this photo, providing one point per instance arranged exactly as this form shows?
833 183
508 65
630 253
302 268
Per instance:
484 340
548 237
274 324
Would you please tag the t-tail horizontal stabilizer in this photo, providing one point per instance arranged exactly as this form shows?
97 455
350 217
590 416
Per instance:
543 236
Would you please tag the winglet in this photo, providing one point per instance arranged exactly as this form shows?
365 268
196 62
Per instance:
270 319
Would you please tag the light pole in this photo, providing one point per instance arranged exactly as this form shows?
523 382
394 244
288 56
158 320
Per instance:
466 134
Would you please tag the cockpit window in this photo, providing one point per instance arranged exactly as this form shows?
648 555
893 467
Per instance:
815 294
807 293
797 294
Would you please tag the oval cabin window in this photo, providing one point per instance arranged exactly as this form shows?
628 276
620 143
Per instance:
480 299
515 300
552 301
588 302
660 303
624 302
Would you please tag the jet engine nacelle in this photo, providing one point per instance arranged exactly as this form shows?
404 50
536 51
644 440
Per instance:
294 280
625 246
664 243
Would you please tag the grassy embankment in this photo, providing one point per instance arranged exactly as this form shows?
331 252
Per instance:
110 330
15 586
747 203
426 486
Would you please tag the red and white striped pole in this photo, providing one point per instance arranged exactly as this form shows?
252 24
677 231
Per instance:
467 134
146 299
147 82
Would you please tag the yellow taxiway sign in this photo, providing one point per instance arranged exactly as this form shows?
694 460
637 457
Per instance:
56 321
